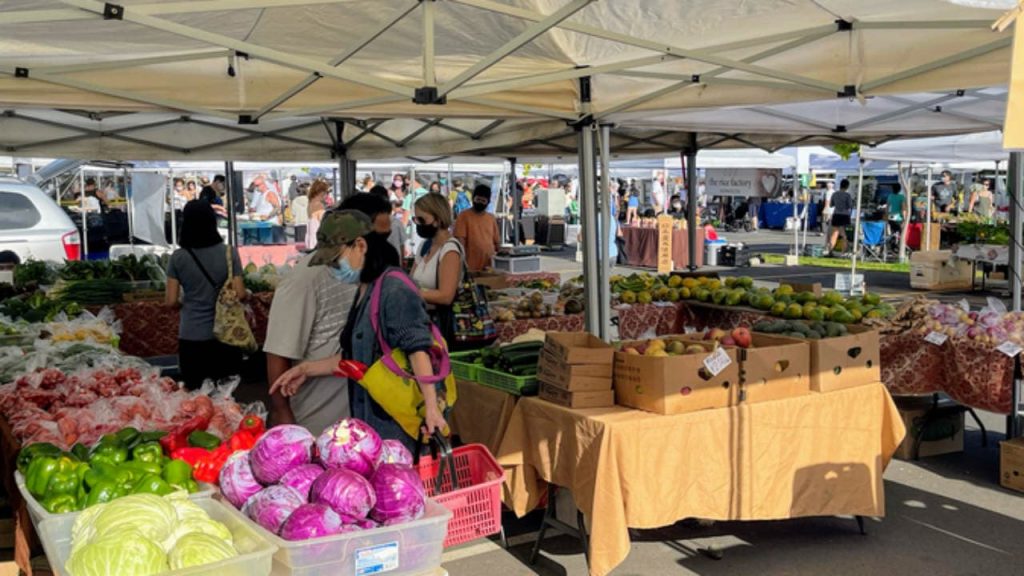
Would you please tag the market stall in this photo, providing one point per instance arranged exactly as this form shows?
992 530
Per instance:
775 214
816 455
642 247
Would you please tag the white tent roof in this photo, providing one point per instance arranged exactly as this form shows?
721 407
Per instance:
982 147
172 79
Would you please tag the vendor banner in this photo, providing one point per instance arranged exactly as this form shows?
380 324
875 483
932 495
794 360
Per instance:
743 182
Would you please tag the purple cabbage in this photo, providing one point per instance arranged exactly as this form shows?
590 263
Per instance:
237 482
272 506
313 521
279 450
400 494
301 478
345 491
394 452
352 444
359 523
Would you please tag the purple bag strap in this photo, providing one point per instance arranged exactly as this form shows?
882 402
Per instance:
444 366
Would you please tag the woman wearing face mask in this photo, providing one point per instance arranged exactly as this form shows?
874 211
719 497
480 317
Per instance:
676 208
398 188
438 267
357 257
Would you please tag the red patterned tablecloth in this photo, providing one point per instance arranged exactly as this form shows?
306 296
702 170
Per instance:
516 280
637 319
148 328
569 323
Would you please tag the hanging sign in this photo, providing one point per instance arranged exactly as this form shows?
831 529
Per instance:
665 226
744 182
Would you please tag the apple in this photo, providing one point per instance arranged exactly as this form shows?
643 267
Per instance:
742 337
728 341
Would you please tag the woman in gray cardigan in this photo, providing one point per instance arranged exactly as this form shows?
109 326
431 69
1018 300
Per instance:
357 255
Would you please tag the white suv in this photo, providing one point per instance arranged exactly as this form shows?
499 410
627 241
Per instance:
33 226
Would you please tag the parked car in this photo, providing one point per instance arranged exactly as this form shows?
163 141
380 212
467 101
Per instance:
33 226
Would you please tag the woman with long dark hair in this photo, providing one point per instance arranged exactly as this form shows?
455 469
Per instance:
195 275
357 255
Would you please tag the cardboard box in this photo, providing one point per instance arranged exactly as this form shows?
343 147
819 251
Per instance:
938 270
574 377
941 435
844 361
774 368
569 399
578 348
1011 464
674 384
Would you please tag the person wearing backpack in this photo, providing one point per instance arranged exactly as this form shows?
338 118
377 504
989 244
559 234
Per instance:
195 275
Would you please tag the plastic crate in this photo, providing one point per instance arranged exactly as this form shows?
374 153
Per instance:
37 513
463 366
518 385
255 551
476 505
402 550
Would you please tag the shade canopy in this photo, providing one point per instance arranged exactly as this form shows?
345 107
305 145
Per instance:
309 80
981 147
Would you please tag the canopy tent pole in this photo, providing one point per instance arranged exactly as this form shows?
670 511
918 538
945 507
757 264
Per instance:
85 215
856 225
606 237
170 202
928 212
908 209
796 220
451 187
131 208
1016 181
229 180
690 161
517 202
588 208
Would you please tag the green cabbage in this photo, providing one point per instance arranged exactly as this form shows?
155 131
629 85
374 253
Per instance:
197 548
154 517
123 552
195 525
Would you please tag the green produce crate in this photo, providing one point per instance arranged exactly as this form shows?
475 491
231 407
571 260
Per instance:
518 385
463 366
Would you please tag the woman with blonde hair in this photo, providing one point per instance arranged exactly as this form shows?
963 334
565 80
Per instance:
315 209
438 267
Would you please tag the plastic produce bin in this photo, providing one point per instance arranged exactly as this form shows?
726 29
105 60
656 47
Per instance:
404 550
37 513
254 559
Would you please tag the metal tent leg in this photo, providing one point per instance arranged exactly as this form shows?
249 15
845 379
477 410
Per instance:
860 526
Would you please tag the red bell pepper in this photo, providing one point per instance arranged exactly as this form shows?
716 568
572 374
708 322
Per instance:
242 440
178 437
208 468
190 454
351 369
253 424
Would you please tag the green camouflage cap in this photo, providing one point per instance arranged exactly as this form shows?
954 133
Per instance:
338 228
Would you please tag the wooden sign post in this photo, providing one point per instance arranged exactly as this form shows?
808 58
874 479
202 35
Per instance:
665 226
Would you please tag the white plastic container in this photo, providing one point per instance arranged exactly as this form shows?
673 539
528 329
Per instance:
411 548
255 552
37 513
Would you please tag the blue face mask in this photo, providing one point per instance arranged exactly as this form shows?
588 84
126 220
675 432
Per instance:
345 272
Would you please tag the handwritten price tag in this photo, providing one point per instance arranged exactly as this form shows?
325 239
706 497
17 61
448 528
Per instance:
717 361
937 338
1009 348
689 330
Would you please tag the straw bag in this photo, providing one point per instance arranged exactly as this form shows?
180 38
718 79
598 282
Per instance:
390 381
230 325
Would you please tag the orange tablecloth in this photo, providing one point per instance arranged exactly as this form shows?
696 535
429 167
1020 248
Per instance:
816 455
481 414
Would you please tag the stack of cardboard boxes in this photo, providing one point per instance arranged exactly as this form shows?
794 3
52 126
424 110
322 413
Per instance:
575 370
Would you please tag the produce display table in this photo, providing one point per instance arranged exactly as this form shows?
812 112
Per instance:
568 323
517 280
149 328
481 414
642 247
816 455
637 319
774 214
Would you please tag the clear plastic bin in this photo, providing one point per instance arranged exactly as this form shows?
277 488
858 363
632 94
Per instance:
255 552
412 548
37 513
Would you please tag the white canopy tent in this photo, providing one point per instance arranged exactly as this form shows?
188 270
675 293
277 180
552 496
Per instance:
981 147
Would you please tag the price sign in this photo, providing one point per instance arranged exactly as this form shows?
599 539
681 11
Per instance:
1009 348
717 361
689 330
937 338
665 226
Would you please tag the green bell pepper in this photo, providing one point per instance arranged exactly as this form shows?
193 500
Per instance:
61 504
139 468
151 436
201 439
152 484
192 486
33 451
104 491
64 480
100 471
37 478
148 452
81 452
112 452
127 436
177 472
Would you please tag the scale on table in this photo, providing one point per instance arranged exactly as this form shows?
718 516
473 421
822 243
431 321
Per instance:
510 251
517 259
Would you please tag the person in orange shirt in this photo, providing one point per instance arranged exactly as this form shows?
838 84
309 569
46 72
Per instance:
477 231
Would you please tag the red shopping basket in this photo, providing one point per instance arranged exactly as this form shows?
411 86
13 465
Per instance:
466 481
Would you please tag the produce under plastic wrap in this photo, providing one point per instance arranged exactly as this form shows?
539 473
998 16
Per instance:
345 491
102 328
273 505
400 494
351 444
279 450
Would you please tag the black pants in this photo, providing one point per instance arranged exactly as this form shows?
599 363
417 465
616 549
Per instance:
199 360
